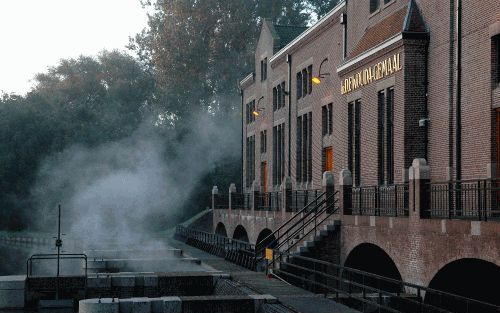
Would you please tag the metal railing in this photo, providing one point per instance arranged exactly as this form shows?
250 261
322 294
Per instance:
236 251
241 201
54 256
465 199
391 200
269 201
301 198
221 201
299 226
370 292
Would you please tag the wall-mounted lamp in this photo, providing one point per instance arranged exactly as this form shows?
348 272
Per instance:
257 111
317 79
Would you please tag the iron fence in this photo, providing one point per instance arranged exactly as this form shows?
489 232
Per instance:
369 292
390 200
301 198
466 199
241 201
236 251
221 201
269 201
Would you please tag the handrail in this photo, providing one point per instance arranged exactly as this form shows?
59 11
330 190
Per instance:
306 220
53 256
290 220
306 224
200 232
303 220
344 269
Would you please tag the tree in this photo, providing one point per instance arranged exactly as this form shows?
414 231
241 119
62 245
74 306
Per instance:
84 101
198 50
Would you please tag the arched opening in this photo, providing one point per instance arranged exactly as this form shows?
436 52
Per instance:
471 278
221 230
370 258
268 242
240 233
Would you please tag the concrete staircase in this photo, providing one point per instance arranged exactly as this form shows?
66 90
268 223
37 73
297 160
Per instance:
323 244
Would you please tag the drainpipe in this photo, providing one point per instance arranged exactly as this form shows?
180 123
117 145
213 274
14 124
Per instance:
426 103
458 139
451 74
242 137
289 62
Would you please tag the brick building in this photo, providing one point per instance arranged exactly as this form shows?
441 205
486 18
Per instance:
397 63
399 100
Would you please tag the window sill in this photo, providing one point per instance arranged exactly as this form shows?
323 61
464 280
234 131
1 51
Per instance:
377 11
388 4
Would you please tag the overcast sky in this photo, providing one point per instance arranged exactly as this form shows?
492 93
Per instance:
35 34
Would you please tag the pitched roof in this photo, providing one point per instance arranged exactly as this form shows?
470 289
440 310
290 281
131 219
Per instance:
287 33
407 19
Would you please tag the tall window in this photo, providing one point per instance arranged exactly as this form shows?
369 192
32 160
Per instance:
278 154
283 94
250 160
386 136
279 96
275 99
263 69
354 141
309 78
250 108
299 85
495 58
327 119
374 5
304 148
304 82
263 141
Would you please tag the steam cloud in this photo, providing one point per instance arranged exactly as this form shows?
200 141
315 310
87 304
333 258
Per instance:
114 192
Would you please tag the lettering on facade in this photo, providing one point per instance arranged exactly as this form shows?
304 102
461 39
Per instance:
368 75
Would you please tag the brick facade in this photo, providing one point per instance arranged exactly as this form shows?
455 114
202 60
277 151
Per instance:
423 35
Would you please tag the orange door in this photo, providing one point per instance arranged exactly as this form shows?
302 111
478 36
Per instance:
329 159
264 176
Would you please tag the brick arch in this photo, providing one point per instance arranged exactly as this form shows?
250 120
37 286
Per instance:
240 233
350 245
441 263
370 257
221 229
469 277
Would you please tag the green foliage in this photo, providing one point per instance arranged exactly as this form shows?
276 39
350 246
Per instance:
198 50
189 60
84 101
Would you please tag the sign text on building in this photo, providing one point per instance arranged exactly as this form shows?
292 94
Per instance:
366 76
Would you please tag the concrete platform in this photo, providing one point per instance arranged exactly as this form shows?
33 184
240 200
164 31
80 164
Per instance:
12 291
298 299
197 304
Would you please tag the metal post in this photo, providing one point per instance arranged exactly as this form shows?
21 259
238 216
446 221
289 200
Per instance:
58 246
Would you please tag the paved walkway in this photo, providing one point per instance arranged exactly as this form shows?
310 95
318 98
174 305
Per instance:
297 299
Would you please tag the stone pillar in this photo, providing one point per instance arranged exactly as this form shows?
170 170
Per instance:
286 194
232 190
328 185
345 182
419 175
491 170
215 192
255 196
